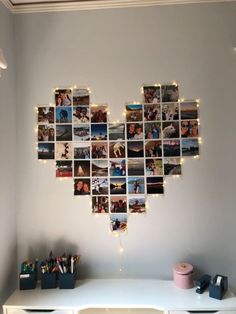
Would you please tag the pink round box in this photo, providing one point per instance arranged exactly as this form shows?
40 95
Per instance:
183 275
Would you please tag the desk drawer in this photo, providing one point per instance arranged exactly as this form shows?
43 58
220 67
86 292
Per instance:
37 311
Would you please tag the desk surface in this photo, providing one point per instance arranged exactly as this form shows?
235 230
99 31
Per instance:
119 293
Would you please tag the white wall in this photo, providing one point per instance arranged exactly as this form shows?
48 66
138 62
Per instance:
114 52
7 160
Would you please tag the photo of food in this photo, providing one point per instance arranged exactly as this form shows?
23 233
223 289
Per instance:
116 131
99 150
117 149
117 186
45 114
151 94
118 204
172 166
63 168
100 204
170 111
152 130
189 110
170 129
134 112
137 204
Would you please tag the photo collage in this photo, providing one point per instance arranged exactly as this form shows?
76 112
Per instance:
118 163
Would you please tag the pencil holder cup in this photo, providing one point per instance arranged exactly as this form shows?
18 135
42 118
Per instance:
48 281
27 281
217 289
67 281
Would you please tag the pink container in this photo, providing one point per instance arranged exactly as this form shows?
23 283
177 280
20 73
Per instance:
183 275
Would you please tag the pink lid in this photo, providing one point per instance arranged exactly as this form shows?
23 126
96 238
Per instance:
183 268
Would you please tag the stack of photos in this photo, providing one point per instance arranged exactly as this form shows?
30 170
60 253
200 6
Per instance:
118 164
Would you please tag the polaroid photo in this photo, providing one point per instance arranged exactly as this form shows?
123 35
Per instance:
99 168
63 115
117 167
136 185
46 115
117 186
170 112
151 94
134 113
99 186
46 133
81 132
152 112
118 222
170 129
81 114
153 148
171 148
189 128
135 167
117 149
134 131
118 204
81 96
190 147
170 93
63 168
63 97
152 130
46 151
81 150
135 149
100 204
64 150
99 113
99 150
172 166
81 168
137 204
64 132
189 110
154 167
116 131
155 185
81 186
99 132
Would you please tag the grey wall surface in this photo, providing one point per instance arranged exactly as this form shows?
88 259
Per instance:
8 254
114 52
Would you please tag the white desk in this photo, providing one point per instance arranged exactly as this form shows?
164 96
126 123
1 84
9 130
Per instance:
118 294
